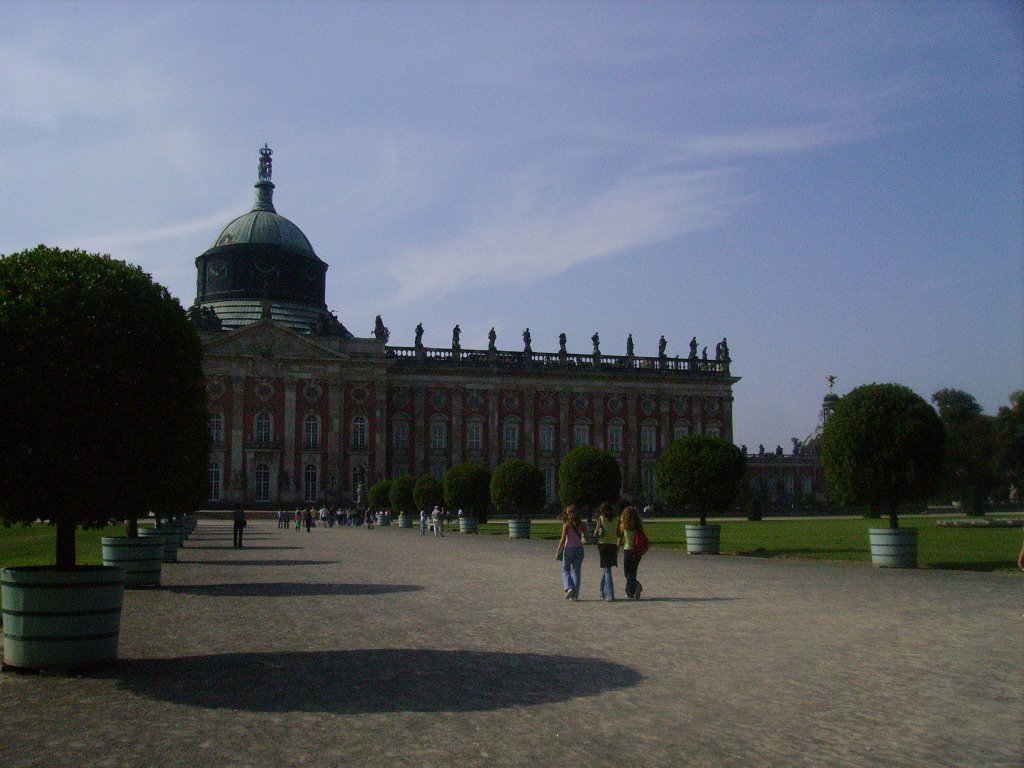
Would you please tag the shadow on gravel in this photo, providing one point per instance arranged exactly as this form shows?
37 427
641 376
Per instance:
370 680
287 589
228 546
259 562
689 599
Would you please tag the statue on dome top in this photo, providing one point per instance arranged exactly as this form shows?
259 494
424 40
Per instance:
266 163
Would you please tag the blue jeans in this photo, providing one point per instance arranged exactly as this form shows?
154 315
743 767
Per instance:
572 565
607 585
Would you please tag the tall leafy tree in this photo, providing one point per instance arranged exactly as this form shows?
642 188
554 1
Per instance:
700 471
517 488
380 495
969 463
588 477
401 493
428 492
882 447
468 487
103 413
1009 436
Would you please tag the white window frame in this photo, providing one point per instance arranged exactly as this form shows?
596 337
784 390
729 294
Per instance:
311 432
310 487
360 428
216 425
580 434
261 482
214 479
400 434
615 432
438 436
648 439
511 438
547 436
263 428
475 436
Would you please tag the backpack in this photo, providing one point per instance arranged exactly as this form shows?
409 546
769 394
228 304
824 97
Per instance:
641 543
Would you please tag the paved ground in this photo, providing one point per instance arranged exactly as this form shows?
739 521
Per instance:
381 648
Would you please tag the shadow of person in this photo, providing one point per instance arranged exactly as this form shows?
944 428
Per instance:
288 589
370 680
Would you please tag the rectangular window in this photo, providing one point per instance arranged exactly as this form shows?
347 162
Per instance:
311 432
712 430
615 438
438 472
550 475
648 439
680 431
438 436
400 435
475 436
805 482
214 476
581 434
511 438
216 428
547 437
647 481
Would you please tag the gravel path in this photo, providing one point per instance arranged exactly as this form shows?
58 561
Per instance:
383 648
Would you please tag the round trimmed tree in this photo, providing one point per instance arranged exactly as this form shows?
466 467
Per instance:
882 447
400 495
468 487
103 413
588 477
700 471
517 488
379 496
428 492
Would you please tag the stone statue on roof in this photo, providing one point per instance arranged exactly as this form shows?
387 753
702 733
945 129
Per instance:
266 164
693 348
561 343
456 335
380 332
419 335
597 343
526 340
492 338
661 346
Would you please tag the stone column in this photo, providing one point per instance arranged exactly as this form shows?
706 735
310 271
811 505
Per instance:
564 423
665 404
529 437
380 454
335 435
599 436
456 436
631 442
493 429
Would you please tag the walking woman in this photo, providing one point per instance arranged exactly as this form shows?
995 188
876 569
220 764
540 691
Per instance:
607 532
571 546
629 526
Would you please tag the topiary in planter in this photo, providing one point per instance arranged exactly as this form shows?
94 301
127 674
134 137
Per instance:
468 487
103 416
517 488
700 471
587 477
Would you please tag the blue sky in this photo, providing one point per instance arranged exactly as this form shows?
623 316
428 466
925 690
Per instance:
836 188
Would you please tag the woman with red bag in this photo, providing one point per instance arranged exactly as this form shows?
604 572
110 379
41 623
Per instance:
629 527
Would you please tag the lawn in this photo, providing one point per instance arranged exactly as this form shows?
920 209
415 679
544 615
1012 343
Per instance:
972 549
36 544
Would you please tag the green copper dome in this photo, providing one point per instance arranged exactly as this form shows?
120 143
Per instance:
262 265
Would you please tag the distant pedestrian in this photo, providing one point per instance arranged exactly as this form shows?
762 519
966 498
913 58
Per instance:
308 519
438 520
423 522
570 544
629 525
607 532
298 519
238 516
282 520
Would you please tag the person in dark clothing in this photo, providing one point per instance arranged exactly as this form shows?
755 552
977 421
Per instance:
239 517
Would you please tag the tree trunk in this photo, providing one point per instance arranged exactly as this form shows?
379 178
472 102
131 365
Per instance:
894 520
131 529
703 515
66 544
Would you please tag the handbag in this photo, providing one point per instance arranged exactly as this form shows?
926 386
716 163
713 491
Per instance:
561 553
641 543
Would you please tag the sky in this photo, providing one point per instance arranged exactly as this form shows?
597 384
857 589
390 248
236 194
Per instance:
837 188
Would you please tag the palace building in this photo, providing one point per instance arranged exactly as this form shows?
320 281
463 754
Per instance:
302 410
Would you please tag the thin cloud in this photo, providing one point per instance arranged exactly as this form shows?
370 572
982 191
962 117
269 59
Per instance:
533 240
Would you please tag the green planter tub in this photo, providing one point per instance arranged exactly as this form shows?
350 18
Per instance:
703 539
168 539
404 521
140 558
61 618
893 547
519 529
468 525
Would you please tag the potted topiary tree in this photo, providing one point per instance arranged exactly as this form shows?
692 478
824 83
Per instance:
517 489
100 368
379 497
587 477
467 487
400 495
882 447
703 472
428 493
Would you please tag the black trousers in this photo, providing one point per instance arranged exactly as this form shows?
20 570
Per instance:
239 527
630 563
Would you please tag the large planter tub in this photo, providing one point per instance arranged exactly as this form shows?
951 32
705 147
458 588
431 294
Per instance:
519 529
703 539
893 547
140 558
61 618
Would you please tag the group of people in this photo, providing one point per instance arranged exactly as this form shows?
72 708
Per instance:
614 530
434 520
310 517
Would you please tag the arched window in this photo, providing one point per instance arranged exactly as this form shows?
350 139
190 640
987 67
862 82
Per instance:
713 429
358 477
213 474
649 439
311 431
261 479
547 436
581 434
216 428
309 484
680 430
400 433
264 428
359 433
438 436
